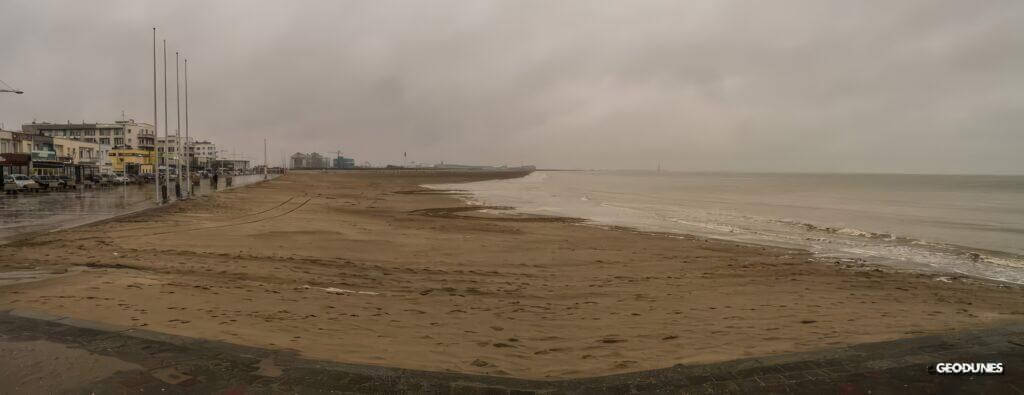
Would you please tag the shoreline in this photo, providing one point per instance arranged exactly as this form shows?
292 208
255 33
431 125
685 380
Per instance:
849 263
889 264
339 266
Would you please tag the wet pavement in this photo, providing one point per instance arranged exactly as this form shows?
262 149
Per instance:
161 363
27 213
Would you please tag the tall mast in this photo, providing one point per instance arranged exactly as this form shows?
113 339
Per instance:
177 126
167 174
188 150
156 127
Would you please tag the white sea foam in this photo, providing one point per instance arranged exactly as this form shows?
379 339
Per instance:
854 232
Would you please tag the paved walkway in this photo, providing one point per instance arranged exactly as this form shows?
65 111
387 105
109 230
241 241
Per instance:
174 364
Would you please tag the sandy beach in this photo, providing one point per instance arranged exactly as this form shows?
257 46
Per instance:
371 268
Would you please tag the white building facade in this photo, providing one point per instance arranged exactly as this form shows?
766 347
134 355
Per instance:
203 154
120 134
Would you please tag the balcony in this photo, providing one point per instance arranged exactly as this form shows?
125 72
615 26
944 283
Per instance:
44 156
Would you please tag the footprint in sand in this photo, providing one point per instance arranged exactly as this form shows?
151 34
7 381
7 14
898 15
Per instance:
624 364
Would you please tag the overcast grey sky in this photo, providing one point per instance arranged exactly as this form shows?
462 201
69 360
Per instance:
878 86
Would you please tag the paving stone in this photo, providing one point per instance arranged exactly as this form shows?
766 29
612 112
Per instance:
757 371
881 364
816 375
722 387
794 377
749 385
771 379
699 380
170 375
917 359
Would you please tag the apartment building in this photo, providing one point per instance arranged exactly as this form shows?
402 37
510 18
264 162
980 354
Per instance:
119 134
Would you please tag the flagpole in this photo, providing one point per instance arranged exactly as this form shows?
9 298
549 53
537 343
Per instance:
177 126
188 150
156 128
167 174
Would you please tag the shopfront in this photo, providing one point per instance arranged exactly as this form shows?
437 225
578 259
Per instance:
11 163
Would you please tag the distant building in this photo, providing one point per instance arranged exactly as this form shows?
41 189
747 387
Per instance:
79 152
198 154
132 161
15 152
34 153
169 152
202 154
120 134
12 143
314 160
299 160
342 162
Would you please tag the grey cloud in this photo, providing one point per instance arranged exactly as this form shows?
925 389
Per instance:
909 86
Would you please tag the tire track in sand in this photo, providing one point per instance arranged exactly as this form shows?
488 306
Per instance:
234 224
228 219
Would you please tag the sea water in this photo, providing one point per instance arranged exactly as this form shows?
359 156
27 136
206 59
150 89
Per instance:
972 225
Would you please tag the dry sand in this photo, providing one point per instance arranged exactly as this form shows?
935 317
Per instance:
342 266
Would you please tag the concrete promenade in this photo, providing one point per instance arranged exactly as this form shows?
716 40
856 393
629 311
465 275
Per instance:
172 364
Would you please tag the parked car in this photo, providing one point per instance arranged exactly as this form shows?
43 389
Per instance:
58 182
10 185
24 182
46 182
120 179
67 180
103 179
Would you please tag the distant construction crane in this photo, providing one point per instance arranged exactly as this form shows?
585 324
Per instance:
10 89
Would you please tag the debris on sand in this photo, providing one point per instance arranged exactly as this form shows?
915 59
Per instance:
338 290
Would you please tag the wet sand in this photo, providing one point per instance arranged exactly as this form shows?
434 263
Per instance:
370 268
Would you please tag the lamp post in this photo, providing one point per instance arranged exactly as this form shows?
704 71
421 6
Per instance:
14 91
156 130
188 144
